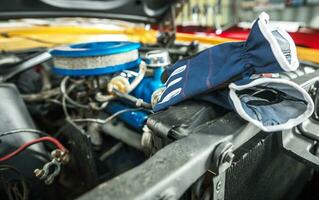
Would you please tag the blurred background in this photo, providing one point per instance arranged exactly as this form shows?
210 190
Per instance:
225 13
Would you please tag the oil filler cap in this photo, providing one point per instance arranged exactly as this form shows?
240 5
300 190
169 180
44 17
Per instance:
157 58
95 58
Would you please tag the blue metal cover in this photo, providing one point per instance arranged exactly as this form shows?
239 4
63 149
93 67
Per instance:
94 49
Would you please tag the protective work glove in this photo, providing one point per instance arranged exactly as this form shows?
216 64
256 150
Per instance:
267 50
272 104
232 75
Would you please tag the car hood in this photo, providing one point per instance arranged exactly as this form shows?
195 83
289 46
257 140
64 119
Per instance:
146 11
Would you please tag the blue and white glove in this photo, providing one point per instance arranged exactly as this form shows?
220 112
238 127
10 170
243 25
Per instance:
272 104
267 50
226 75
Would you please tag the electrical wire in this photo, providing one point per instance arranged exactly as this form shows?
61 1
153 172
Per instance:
136 101
41 95
30 143
55 101
111 151
104 98
97 107
41 133
104 121
65 109
66 98
65 93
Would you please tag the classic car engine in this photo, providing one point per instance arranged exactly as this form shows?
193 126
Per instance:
159 99
92 101
94 98
173 120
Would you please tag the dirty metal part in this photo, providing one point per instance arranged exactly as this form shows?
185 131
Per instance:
222 160
43 95
95 135
146 140
191 114
46 174
111 151
167 28
167 173
123 134
80 150
299 147
53 168
301 142
42 57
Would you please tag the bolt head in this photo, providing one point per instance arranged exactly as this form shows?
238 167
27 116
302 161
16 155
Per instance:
39 172
229 157
56 153
218 185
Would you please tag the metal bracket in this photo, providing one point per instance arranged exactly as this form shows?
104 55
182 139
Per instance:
222 160
300 147
219 186
302 142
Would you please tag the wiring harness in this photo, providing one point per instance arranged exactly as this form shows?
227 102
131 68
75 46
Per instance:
52 168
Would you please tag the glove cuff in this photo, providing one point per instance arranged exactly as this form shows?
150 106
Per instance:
267 31
295 106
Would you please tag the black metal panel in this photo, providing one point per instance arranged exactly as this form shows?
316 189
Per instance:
173 169
180 120
261 171
81 172
14 115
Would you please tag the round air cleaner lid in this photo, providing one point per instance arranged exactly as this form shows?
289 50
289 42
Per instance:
95 58
95 49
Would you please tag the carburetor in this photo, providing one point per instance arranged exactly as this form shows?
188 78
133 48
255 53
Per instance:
130 80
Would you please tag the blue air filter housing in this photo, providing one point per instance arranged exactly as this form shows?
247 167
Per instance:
95 58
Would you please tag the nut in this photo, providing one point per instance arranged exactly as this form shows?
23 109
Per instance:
39 172
229 157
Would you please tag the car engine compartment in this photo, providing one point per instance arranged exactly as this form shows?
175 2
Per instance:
101 132
103 118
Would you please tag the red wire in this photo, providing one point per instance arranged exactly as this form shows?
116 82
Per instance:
32 142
